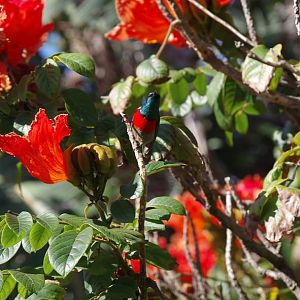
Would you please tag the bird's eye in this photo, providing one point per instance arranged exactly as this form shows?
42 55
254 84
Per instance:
151 94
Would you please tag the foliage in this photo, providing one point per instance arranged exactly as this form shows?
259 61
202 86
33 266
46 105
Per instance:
133 243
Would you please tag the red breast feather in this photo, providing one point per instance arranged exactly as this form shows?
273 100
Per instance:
142 124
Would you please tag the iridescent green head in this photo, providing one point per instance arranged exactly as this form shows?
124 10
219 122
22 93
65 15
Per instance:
150 106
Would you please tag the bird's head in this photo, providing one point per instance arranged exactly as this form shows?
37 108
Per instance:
150 106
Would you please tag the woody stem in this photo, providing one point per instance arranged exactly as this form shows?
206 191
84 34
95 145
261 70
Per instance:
141 206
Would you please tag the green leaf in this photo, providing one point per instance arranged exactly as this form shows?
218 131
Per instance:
73 220
49 292
8 286
77 62
241 122
159 166
46 264
159 257
133 190
118 235
1 280
67 248
172 205
260 76
154 225
39 236
7 253
157 214
26 244
215 87
120 95
48 220
81 107
19 224
274 174
200 84
122 288
179 91
123 211
9 238
31 282
229 94
48 78
224 121
23 292
182 109
152 70
19 91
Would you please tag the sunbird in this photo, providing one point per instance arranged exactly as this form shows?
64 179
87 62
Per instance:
145 122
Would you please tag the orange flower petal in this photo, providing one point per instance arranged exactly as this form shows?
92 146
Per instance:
142 20
40 151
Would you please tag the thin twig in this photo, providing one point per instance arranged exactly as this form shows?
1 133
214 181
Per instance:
166 39
249 21
198 280
276 275
228 249
223 23
142 206
297 15
205 52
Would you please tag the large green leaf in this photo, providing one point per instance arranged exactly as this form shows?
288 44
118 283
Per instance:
9 238
159 257
26 244
19 224
157 214
31 282
39 236
258 75
48 78
48 220
120 95
152 70
123 211
7 253
81 107
133 190
118 235
49 292
77 62
73 220
122 288
172 205
67 248
159 166
8 286
46 264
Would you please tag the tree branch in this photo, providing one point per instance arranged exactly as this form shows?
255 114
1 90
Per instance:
141 207
297 15
205 52
228 248
249 21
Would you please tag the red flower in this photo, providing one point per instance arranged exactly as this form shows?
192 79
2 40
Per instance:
249 187
22 32
204 238
40 150
143 20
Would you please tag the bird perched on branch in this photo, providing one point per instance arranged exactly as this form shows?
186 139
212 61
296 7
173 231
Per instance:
145 122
